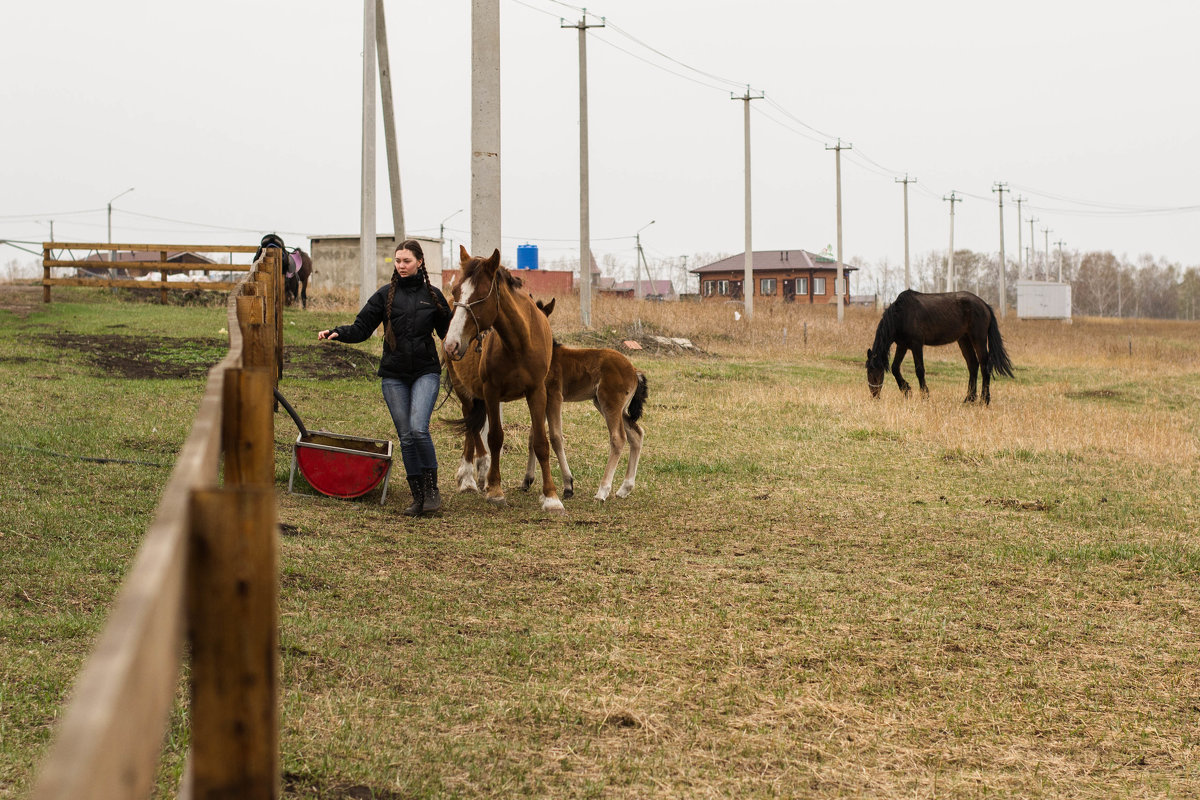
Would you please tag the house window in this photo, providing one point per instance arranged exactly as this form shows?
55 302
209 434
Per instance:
818 286
802 286
708 288
722 287
766 287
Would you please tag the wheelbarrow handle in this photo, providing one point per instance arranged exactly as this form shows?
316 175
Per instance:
292 413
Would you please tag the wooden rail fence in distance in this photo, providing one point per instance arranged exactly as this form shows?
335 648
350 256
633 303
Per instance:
161 266
208 570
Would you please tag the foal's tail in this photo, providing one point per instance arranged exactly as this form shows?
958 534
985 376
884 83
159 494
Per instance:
474 419
636 403
996 352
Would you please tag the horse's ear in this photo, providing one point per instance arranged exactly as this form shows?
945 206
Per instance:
493 261
463 255
549 307
868 354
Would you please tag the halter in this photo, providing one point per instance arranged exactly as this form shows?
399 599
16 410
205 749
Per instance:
479 331
875 385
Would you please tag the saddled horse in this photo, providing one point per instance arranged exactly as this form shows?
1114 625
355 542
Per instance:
917 320
615 387
296 265
513 362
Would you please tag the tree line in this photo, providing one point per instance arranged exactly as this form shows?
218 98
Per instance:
1102 283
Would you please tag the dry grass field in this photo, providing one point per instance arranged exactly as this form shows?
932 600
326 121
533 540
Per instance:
809 594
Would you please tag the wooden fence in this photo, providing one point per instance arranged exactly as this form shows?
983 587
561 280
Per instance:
162 266
207 571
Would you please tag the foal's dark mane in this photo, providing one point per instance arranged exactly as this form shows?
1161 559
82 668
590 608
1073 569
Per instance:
885 332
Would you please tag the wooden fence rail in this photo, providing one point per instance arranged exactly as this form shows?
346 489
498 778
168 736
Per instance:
162 266
207 570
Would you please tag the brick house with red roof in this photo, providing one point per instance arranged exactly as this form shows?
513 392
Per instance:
793 276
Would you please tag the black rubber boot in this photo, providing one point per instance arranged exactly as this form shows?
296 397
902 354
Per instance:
415 483
433 498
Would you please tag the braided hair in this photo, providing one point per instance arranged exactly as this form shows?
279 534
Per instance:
414 247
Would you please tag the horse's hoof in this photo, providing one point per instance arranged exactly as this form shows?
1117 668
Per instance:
568 493
602 493
553 505
625 490
497 501
525 484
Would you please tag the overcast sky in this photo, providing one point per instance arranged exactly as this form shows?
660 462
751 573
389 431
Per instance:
231 119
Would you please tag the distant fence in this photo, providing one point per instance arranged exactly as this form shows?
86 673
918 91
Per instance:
208 571
162 266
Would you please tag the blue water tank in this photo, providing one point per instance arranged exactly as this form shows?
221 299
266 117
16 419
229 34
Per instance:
527 256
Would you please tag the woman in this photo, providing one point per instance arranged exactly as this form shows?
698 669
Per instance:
410 310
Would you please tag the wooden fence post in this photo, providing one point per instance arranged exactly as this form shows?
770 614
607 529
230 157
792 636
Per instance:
162 286
233 592
248 427
45 275
256 349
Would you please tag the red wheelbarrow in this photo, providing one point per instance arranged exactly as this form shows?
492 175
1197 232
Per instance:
337 465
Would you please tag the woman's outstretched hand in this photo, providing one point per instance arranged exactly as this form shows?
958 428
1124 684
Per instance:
327 335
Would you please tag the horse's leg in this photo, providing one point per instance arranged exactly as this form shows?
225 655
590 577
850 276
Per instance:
495 441
536 398
465 476
613 418
304 293
985 366
483 458
968 351
554 403
634 434
919 365
901 350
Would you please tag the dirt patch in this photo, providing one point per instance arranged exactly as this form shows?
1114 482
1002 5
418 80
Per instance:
20 300
145 357
159 357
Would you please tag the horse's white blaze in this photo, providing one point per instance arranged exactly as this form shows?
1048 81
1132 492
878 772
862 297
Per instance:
459 321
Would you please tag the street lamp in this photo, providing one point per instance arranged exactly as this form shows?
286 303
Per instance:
112 254
442 230
641 260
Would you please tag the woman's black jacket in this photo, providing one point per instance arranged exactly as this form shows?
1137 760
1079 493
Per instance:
415 316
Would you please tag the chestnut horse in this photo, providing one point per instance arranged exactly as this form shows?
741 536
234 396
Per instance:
615 387
513 361
915 320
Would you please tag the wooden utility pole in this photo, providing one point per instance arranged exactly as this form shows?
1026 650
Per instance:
906 181
1020 243
585 226
748 262
839 284
1000 188
1046 255
1032 250
485 127
389 125
950 278
366 239
1060 244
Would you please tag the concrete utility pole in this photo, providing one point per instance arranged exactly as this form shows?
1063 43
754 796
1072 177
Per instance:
1020 243
839 287
1000 188
1046 255
907 180
112 254
389 126
366 239
1060 244
641 262
748 263
1032 250
485 127
950 280
585 233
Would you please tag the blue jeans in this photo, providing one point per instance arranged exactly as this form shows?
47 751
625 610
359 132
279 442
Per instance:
411 406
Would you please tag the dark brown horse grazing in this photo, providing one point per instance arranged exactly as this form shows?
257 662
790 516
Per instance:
915 320
615 387
513 361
